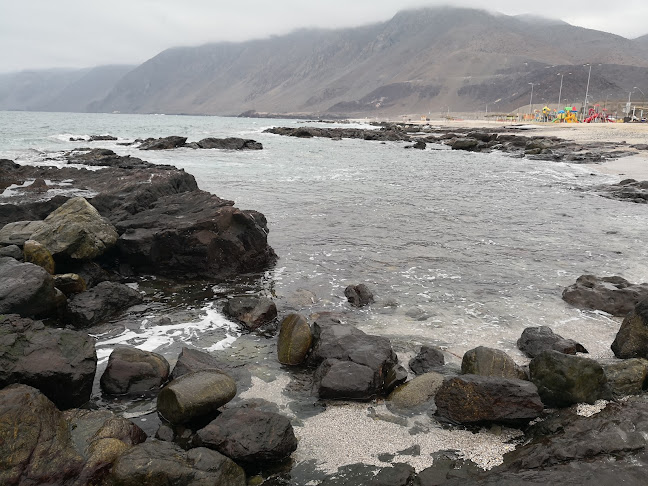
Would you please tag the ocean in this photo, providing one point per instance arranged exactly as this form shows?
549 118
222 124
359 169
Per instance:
461 249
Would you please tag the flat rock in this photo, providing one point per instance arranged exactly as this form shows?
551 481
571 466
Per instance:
19 232
230 143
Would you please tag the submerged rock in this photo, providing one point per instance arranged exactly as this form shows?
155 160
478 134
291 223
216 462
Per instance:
614 295
416 393
195 395
249 436
535 340
61 363
252 311
491 362
563 380
131 370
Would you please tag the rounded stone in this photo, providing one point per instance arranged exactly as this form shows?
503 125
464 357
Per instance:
295 339
37 254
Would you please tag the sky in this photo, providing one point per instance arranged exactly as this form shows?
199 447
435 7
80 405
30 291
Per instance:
39 34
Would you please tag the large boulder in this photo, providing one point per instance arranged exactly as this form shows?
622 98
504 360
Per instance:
165 143
473 398
26 289
18 232
535 340
563 379
131 370
626 376
35 443
632 339
100 303
416 393
61 363
229 143
194 234
295 339
427 359
195 396
614 295
76 230
490 362
336 341
155 463
248 435
252 311
346 380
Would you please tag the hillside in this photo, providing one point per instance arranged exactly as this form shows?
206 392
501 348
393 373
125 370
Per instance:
420 61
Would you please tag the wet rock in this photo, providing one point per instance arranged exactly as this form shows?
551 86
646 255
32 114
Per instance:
131 370
359 474
91 273
338 379
35 443
230 143
194 234
250 436
100 303
106 158
195 395
191 360
77 231
626 377
358 295
295 339
252 311
11 251
61 363
632 339
420 145
26 289
474 398
448 467
36 253
535 340
628 190
490 362
563 380
154 463
165 143
69 283
614 295
19 232
396 376
416 393
427 359
469 144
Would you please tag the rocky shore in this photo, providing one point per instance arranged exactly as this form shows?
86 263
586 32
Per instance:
74 240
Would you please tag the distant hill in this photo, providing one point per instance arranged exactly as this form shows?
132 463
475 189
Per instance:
58 89
420 61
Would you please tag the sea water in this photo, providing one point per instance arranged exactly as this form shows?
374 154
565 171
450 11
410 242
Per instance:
461 249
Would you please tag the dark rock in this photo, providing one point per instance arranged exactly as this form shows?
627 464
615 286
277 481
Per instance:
26 289
345 380
448 467
416 393
490 362
19 232
59 362
91 273
229 144
11 251
191 360
614 295
632 339
252 311
35 443
36 253
76 230
473 399
295 339
100 138
195 395
106 158
628 190
469 144
166 143
420 145
396 376
535 340
131 370
627 376
156 463
359 474
359 295
69 283
563 380
100 303
249 436
426 360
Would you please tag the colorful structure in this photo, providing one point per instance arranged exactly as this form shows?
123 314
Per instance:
596 115
568 115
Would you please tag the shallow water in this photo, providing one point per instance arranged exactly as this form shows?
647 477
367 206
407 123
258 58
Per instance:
461 249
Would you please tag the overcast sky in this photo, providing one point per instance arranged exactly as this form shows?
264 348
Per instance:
38 34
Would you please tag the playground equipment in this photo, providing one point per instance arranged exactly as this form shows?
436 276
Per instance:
596 115
568 115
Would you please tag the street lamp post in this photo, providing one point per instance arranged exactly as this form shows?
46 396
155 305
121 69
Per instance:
587 89
531 100
562 75
643 107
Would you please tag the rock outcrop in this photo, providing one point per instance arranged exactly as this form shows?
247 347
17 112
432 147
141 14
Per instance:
614 295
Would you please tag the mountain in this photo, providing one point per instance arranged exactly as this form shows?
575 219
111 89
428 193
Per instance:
425 60
58 89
